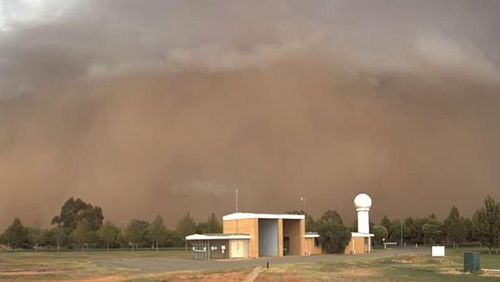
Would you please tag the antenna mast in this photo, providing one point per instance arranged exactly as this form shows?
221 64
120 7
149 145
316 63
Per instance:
236 200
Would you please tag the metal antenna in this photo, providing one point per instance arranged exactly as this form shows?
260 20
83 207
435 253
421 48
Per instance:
303 200
236 199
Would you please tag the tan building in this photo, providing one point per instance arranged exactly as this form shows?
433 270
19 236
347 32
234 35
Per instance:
265 235
256 235
270 234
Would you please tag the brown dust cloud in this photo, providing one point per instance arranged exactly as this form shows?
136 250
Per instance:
167 108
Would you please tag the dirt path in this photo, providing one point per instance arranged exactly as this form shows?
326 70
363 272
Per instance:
253 275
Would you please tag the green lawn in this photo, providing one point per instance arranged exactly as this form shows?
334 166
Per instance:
403 268
487 261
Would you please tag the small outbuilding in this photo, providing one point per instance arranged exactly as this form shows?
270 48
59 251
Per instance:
219 245
360 244
313 246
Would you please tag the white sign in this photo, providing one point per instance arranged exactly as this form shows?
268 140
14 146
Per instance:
438 251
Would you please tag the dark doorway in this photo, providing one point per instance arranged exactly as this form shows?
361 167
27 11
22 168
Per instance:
286 245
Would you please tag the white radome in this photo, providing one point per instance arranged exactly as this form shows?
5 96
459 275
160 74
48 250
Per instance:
362 201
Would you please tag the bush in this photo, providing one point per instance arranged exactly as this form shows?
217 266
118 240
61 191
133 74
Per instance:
334 236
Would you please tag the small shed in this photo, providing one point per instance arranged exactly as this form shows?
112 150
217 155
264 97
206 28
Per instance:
313 246
360 244
219 245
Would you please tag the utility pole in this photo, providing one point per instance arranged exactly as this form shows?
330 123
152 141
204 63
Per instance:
401 222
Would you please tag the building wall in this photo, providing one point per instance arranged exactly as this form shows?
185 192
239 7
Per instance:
302 239
238 248
251 227
210 249
311 248
295 229
358 245
216 250
280 237
245 226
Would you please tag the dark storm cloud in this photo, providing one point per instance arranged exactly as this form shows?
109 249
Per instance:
43 43
148 107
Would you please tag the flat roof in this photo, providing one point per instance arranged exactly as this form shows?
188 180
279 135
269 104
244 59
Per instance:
245 215
311 235
217 236
357 234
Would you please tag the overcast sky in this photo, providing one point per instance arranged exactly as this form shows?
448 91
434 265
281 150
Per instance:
146 107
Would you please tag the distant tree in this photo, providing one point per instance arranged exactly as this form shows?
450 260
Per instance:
409 229
295 212
454 227
432 230
394 231
310 223
47 237
61 236
412 230
386 222
34 237
93 216
469 230
55 236
331 215
82 234
486 224
16 235
334 236
157 232
173 239
108 233
379 234
212 225
74 211
136 232
186 226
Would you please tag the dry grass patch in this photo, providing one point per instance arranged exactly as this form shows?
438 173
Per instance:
219 276
317 272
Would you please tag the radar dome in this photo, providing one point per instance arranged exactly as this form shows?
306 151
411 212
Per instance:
362 201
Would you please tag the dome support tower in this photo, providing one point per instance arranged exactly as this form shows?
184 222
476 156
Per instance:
363 203
361 241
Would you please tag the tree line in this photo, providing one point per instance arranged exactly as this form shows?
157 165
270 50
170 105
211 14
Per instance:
483 227
79 225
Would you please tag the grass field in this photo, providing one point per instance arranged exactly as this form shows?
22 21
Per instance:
394 268
26 266
70 265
